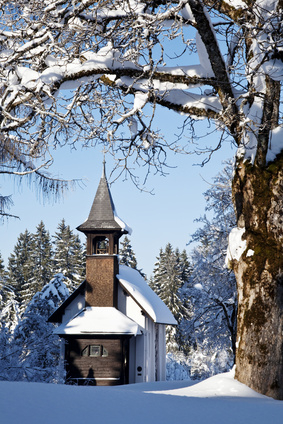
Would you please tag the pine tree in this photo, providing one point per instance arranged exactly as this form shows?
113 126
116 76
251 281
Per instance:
9 308
169 276
9 311
42 257
68 256
3 272
127 255
184 264
21 269
36 349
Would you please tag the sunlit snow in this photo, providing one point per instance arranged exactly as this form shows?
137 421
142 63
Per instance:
135 285
94 320
237 245
217 400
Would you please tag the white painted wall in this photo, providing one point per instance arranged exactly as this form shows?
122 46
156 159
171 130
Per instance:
140 369
132 360
122 300
75 307
130 308
160 357
148 350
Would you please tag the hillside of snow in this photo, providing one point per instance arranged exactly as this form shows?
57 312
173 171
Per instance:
217 400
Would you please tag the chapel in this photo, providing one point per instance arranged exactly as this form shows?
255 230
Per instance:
112 326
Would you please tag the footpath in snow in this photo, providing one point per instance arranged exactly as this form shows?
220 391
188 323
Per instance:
217 400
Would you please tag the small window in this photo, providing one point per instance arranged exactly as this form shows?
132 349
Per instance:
95 350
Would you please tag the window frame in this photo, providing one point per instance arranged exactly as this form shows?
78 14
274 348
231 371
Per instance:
102 352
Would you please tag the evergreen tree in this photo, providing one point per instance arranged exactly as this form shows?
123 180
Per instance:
169 277
127 255
184 264
35 350
3 272
9 308
68 256
8 304
42 257
167 280
21 269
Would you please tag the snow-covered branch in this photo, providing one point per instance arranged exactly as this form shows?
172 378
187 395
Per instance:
73 71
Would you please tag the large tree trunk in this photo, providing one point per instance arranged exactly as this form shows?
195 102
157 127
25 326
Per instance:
258 198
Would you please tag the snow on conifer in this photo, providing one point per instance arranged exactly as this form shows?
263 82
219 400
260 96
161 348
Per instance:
31 352
126 254
169 276
68 256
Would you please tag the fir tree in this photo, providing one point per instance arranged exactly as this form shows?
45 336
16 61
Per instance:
3 272
35 349
127 255
42 257
9 311
9 308
169 277
68 256
21 269
184 264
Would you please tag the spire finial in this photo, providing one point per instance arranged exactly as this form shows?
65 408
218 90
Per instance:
104 163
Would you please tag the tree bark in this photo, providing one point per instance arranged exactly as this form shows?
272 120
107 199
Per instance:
258 200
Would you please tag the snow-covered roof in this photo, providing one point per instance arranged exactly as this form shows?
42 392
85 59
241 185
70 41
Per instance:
135 285
99 320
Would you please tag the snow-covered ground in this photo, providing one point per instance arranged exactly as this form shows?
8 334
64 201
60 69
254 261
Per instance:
217 400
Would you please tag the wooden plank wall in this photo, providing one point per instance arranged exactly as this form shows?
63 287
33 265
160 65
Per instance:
109 370
101 284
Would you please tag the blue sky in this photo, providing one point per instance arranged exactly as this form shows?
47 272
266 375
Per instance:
166 216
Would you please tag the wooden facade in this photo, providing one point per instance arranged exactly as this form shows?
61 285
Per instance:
97 361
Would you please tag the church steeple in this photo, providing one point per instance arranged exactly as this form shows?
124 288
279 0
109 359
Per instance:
102 213
103 229
102 222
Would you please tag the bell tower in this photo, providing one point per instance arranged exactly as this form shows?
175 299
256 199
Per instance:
103 230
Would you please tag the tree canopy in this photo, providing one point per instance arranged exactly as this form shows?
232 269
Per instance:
92 70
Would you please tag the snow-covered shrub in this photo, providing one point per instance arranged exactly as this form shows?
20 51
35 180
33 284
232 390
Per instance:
205 364
177 367
32 351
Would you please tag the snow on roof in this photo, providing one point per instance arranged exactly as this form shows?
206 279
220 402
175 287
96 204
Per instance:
122 223
99 320
135 285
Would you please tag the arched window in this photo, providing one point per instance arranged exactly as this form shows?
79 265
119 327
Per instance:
101 246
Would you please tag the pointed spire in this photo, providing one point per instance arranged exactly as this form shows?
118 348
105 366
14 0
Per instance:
102 214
